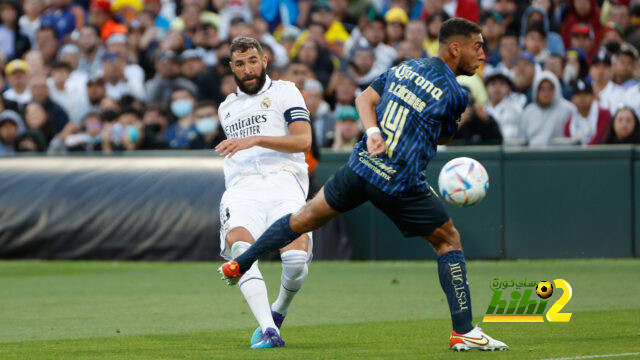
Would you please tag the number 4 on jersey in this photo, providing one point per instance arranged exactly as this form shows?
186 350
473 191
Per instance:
393 120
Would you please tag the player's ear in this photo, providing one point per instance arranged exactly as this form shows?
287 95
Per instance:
264 59
454 48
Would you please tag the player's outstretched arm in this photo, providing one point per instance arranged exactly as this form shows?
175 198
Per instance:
366 106
298 140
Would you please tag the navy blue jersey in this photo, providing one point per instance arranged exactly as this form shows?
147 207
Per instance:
420 101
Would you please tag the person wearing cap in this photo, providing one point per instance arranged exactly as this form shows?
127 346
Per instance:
117 81
17 73
65 16
492 30
100 16
396 20
502 105
544 119
347 130
600 72
119 44
583 37
13 43
127 9
622 80
587 122
11 125
167 78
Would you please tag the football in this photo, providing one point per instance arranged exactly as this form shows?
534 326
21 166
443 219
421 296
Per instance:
463 182
544 289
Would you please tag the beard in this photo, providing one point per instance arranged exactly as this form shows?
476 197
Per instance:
262 78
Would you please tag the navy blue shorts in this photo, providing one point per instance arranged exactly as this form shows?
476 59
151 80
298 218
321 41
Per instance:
417 215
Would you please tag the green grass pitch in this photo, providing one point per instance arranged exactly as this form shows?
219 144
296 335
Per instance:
346 310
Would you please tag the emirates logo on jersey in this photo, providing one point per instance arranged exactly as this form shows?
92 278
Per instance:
266 103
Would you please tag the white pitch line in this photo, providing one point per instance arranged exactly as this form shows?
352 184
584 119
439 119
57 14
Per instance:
594 356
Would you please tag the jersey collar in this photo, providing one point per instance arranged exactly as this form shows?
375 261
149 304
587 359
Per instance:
267 84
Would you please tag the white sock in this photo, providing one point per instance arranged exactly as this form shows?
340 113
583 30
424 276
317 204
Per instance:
254 290
294 273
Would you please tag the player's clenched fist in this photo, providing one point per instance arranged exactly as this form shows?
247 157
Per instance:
232 146
376 144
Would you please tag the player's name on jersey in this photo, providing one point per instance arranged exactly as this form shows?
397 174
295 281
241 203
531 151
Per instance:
406 72
245 127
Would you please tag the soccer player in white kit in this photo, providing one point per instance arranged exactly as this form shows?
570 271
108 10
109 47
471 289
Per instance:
268 130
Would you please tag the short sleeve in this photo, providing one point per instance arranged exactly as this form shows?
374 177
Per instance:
293 105
379 83
450 123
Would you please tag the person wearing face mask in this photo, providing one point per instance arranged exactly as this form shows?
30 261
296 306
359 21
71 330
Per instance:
208 126
125 135
155 120
183 131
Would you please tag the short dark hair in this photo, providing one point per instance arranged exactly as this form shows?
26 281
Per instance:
59 65
206 103
536 26
243 44
457 26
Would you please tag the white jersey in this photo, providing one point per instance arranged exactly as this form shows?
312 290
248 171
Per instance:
267 113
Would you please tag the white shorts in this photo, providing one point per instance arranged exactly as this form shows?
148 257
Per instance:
254 202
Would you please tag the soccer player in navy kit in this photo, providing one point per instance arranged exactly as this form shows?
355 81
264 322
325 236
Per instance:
406 112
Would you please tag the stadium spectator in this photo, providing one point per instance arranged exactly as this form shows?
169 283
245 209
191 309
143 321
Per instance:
362 67
502 106
31 20
118 82
556 64
40 94
624 128
508 50
416 35
347 131
342 90
622 78
156 123
583 37
580 11
154 7
476 126
600 73
91 51
230 9
576 65
69 95
396 20
127 10
524 72
434 22
13 43
407 51
95 93
492 31
322 119
30 141
620 15
70 54
126 134
335 35
10 127
184 131
208 126
544 119
206 40
37 118
65 16
588 121
317 59
101 17
508 9
535 42
536 14
197 7
383 55
342 14
17 73
297 73
167 79
47 44
192 64
467 9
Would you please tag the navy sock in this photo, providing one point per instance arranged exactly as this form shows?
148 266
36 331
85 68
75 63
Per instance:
278 235
453 279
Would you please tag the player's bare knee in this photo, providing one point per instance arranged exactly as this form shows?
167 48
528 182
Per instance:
238 234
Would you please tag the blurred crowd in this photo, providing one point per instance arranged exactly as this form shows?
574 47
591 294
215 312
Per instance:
121 75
